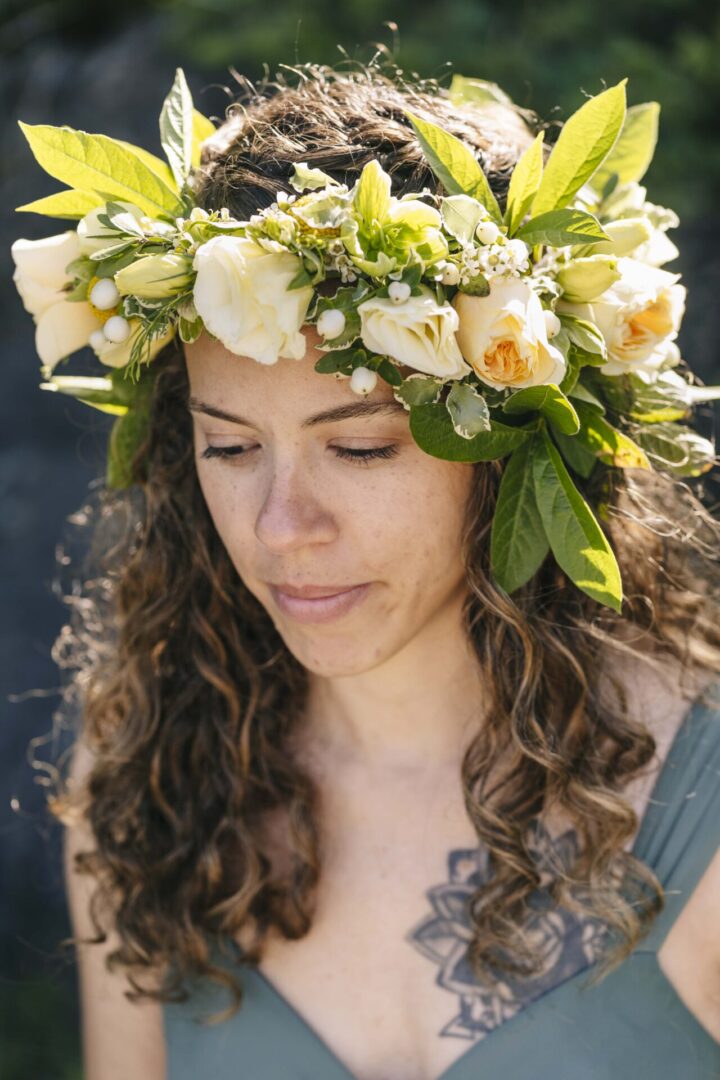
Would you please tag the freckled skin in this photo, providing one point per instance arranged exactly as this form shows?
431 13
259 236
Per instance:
292 510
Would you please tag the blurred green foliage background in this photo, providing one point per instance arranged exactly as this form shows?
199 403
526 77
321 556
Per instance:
107 68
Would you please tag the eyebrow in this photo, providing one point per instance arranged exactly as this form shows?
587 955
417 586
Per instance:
340 412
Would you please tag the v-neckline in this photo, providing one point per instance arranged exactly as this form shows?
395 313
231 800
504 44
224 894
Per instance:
528 1011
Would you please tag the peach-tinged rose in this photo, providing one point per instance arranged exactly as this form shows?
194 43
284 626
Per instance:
241 294
417 331
639 316
503 336
61 326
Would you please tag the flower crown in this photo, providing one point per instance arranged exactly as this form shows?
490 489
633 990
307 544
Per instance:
543 334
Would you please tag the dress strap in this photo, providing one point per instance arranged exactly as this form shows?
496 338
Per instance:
680 831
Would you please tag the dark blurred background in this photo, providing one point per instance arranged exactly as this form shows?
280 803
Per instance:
107 69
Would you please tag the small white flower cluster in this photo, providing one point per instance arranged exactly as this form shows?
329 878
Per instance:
286 225
506 258
340 261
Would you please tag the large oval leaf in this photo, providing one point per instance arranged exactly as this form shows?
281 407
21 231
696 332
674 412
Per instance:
98 163
578 543
585 140
454 164
432 429
72 204
549 400
518 544
632 153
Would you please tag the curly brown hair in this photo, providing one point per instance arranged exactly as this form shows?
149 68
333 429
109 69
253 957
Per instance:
190 699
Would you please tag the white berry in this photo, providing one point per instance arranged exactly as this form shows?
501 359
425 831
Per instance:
363 380
399 291
553 325
331 323
117 329
451 274
104 294
97 340
487 232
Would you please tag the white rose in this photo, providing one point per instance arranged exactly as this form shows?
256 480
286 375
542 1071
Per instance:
241 294
503 336
639 316
61 326
418 332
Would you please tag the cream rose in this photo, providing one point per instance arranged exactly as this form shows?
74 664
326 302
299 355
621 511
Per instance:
61 326
503 336
418 332
639 316
241 294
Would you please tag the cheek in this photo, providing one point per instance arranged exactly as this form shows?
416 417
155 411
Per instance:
223 501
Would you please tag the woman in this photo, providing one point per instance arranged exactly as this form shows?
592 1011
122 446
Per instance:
419 810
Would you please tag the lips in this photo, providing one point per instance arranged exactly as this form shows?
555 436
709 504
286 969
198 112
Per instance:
312 592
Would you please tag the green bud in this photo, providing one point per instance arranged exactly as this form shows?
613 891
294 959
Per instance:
154 277
625 235
583 280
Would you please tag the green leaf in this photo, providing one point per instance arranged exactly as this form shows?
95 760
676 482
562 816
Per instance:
634 150
518 544
454 164
176 127
476 91
461 215
524 182
586 335
677 448
65 204
202 129
578 543
432 429
560 227
468 410
548 400
98 163
91 390
578 457
585 140
154 163
608 444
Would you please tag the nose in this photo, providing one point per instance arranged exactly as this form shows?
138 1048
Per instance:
294 512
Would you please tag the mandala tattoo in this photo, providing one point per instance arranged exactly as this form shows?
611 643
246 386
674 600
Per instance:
568 942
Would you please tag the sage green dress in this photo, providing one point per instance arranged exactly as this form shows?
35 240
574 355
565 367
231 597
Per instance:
630 1026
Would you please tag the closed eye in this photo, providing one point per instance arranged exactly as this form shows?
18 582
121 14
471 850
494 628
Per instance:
362 457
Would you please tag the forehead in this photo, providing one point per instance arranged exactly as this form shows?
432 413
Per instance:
241 384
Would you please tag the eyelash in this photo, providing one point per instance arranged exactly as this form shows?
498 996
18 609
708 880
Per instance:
360 457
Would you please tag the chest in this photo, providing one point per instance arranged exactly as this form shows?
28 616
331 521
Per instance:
382 976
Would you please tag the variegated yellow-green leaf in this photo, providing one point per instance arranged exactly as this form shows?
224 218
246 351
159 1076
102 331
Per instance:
202 130
578 543
585 140
524 182
98 163
65 204
176 127
634 150
454 164
518 544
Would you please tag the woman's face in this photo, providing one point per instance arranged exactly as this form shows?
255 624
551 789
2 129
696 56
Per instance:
297 504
